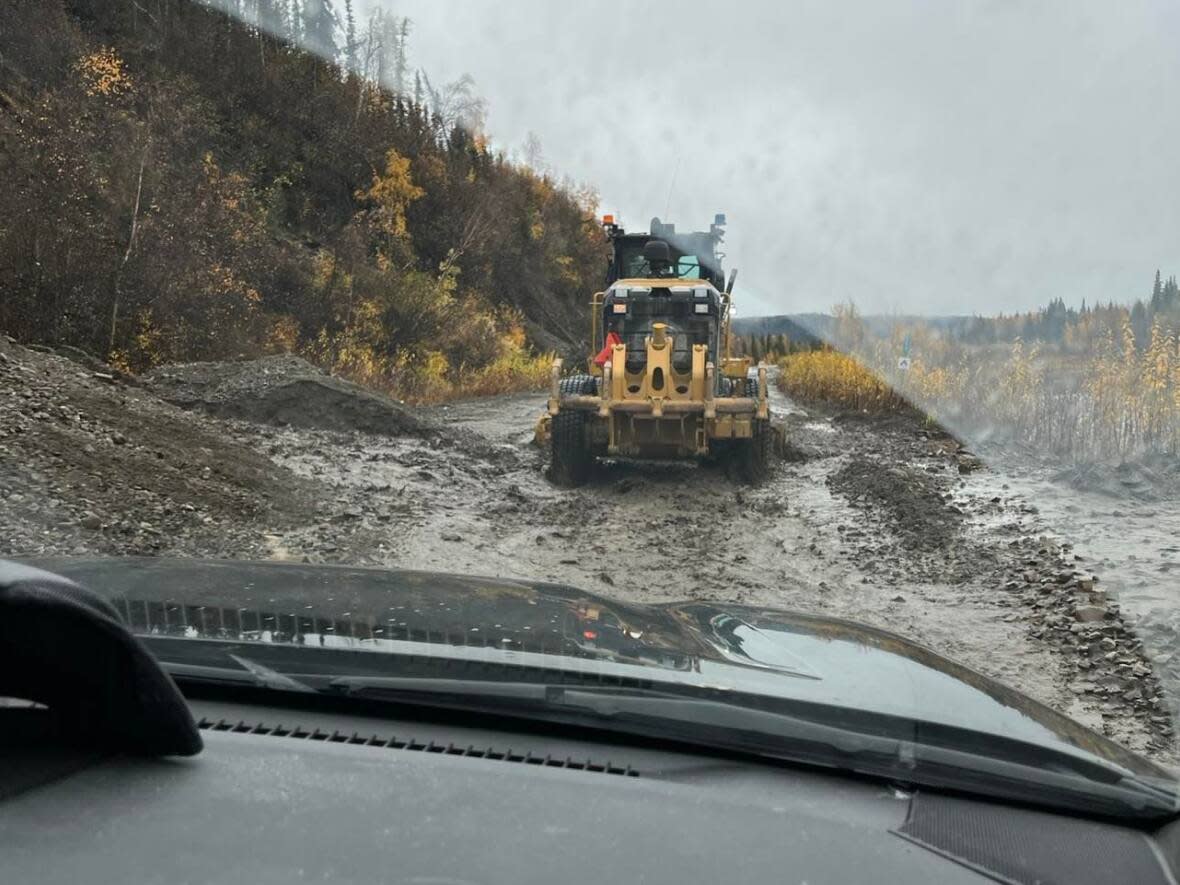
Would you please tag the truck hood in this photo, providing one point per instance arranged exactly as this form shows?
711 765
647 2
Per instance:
312 609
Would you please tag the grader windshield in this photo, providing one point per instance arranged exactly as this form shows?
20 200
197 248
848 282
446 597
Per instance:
694 255
633 265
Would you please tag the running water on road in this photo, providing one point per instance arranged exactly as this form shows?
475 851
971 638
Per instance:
1131 545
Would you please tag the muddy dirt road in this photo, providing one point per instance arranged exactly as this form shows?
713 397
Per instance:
885 522
881 522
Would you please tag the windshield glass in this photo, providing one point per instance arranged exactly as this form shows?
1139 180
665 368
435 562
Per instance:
633 265
320 283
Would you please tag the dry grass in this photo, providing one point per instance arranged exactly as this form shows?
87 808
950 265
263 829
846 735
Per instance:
833 378
431 379
1112 400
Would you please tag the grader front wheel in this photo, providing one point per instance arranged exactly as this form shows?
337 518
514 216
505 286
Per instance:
752 457
569 456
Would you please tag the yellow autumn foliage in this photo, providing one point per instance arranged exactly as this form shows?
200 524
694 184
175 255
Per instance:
104 73
838 379
391 193
1118 401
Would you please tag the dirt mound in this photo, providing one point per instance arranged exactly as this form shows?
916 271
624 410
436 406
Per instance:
282 390
913 502
78 355
88 463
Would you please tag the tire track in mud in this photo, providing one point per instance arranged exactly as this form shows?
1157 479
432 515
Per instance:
871 521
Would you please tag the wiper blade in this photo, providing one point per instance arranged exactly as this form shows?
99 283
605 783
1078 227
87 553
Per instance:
426 686
668 714
682 714
252 674
271 678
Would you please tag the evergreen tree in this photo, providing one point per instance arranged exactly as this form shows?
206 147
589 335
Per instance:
400 57
319 28
389 36
1140 324
1157 292
1170 295
1053 320
376 39
351 59
293 23
270 17
294 33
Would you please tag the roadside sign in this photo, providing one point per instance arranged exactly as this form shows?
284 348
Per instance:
903 363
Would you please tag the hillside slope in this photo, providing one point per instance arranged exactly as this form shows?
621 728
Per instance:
180 186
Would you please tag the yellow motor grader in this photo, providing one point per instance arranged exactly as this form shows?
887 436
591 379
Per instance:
660 381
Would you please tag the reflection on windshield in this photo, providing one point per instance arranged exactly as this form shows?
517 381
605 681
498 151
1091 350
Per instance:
555 629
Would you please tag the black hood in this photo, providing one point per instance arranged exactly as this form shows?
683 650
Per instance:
774 653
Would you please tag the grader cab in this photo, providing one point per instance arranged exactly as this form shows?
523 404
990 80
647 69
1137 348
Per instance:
659 381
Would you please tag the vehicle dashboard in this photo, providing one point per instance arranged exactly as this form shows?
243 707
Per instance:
281 793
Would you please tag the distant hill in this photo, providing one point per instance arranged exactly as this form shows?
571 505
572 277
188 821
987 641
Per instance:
804 329
814 328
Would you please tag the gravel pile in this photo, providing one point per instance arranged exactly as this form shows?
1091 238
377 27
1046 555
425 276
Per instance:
1107 666
90 464
918 509
281 390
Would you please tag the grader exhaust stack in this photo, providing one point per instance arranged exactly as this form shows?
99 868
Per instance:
660 381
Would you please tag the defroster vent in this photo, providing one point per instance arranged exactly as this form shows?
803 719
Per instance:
394 743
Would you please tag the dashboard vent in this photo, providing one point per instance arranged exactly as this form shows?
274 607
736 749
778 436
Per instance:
394 743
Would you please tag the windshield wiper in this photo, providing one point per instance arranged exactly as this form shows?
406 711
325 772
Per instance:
681 714
252 674
670 714
548 692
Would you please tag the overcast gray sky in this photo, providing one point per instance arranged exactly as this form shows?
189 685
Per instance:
928 157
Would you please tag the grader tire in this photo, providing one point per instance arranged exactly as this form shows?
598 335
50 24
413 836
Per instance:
575 385
718 456
752 457
570 457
